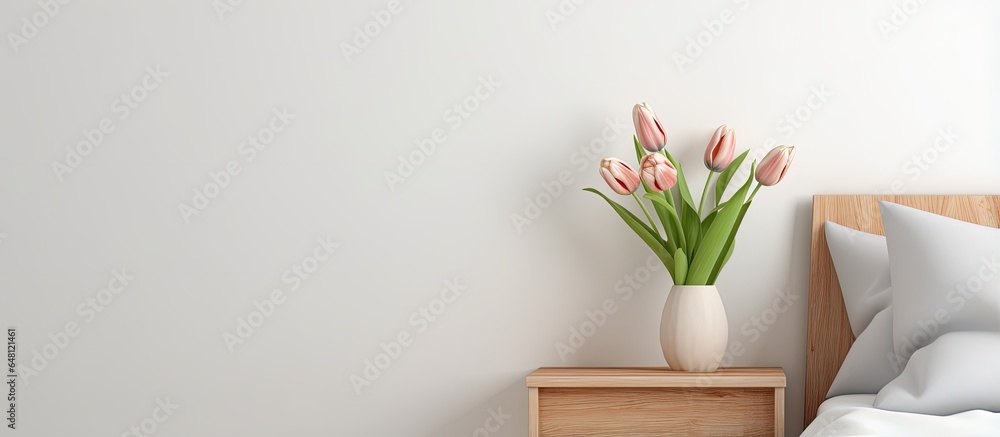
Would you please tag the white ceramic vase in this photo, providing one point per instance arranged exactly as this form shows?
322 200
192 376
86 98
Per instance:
694 330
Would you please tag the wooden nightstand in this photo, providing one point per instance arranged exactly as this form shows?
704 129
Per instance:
739 401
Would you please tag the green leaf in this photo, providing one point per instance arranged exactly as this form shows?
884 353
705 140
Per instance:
727 175
725 260
674 227
692 228
639 151
730 243
643 231
707 223
682 184
680 267
714 243
673 234
690 220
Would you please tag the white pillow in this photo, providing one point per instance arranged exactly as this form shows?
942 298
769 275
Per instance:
871 362
943 276
955 373
862 263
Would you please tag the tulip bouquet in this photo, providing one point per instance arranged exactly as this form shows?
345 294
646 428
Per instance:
695 244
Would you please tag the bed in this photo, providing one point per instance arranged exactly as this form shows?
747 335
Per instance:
830 336
854 415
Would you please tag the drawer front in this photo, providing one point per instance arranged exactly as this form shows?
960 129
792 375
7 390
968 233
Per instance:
656 412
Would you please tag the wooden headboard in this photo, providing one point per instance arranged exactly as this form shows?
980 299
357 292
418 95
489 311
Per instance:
829 332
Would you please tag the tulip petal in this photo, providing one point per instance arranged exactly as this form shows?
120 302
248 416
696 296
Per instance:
673 235
619 176
721 148
774 165
648 128
788 162
713 144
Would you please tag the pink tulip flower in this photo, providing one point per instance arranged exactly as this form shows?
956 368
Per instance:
619 176
721 148
648 128
774 165
658 172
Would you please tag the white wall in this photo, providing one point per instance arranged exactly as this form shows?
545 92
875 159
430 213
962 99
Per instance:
324 175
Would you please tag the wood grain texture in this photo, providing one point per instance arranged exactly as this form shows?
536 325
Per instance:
566 412
779 411
652 401
829 334
532 411
655 377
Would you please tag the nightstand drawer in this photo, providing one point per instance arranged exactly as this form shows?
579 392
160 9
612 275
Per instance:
656 402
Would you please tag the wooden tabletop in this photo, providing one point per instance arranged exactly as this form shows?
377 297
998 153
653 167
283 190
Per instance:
655 377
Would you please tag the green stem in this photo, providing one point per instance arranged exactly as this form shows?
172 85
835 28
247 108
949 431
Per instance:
754 193
704 191
644 211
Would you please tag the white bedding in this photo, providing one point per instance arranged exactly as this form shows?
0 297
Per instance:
854 415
